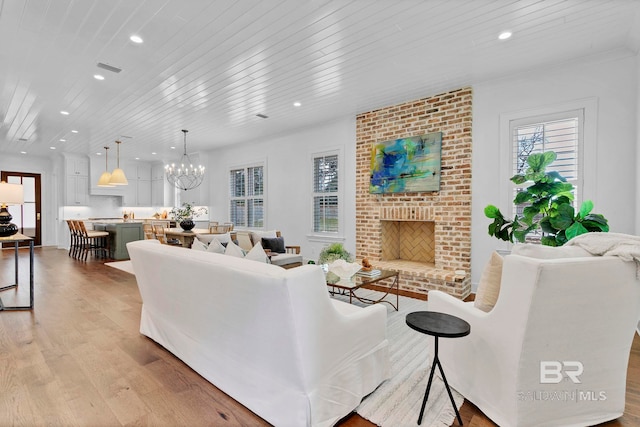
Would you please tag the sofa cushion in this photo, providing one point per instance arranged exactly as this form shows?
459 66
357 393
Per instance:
489 285
257 253
284 259
548 252
209 237
274 244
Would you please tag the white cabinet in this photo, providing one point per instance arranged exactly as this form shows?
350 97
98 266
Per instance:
138 192
76 180
161 190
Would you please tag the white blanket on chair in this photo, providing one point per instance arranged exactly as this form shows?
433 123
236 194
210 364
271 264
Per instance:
625 246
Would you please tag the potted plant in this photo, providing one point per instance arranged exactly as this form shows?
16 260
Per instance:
547 206
332 253
184 215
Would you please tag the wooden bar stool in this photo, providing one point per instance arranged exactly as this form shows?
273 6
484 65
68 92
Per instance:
93 241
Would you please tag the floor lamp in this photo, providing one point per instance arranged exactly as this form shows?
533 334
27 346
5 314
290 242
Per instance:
10 194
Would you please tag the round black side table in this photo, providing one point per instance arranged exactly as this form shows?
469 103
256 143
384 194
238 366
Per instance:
438 325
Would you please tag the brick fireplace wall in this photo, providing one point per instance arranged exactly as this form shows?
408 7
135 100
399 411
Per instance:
449 209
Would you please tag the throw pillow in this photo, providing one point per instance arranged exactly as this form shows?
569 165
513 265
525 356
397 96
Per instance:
216 247
274 244
257 235
489 285
233 250
197 245
257 254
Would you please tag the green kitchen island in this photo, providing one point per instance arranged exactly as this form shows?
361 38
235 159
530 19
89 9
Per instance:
120 233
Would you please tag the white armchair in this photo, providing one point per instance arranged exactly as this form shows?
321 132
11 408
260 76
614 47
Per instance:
572 316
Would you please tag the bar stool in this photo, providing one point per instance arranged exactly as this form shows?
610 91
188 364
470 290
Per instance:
96 241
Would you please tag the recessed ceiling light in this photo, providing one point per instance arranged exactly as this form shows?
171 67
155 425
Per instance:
296 104
98 76
505 35
136 39
173 148
62 140
153 152
23 152
52 148
99 154
64 113
137 158
74 131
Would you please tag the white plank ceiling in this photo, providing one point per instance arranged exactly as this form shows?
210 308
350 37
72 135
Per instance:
210 66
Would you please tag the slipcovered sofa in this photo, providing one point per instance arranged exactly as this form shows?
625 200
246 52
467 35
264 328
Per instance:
271 338
555 347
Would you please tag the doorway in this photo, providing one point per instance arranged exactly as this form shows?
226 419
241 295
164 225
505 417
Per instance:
26 216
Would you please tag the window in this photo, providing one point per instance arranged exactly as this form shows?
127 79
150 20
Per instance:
246 195
561 133
325 193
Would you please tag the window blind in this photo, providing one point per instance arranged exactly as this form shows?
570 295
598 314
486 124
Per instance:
325 194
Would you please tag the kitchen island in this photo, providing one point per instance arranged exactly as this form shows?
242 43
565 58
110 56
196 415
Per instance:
120 233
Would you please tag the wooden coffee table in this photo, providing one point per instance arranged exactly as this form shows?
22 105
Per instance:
359 280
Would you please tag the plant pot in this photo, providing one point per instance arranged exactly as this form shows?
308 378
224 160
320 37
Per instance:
187 224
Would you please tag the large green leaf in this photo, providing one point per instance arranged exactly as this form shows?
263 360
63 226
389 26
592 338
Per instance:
553 175
518 179
563 218
585 208
548 241
492 212
574 230
522 197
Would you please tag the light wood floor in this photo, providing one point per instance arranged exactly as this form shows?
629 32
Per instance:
78 359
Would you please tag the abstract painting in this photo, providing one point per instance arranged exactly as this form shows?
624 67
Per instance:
406 165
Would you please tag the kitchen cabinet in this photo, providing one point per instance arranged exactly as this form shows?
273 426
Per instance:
138 192
76 180
161 190
120 233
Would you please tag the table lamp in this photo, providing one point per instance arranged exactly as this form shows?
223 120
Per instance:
10 194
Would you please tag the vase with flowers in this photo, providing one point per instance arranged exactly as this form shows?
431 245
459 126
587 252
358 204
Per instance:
185 213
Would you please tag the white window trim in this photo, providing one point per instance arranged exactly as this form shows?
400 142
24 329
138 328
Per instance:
588 155
265 196
328 236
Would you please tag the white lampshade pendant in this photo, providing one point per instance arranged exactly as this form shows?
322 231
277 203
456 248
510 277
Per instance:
105 178
117 176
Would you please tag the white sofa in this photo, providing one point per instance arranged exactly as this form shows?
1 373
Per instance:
271 338
550 314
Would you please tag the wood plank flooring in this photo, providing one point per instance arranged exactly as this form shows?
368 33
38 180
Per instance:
79 360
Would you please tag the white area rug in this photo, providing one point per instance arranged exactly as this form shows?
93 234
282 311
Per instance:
396 402
121 265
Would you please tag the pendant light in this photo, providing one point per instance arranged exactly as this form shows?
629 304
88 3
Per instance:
106 175
184 175
117 176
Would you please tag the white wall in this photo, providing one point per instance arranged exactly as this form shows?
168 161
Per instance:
612 79
288 181
49 189
637 122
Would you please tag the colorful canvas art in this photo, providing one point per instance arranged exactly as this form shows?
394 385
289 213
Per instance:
406 165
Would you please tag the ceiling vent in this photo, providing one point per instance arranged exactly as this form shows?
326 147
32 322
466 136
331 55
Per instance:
109 67
262 116
22 139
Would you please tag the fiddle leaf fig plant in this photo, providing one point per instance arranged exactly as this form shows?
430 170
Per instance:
547 206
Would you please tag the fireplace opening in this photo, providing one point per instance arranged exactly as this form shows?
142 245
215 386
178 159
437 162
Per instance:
408 241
